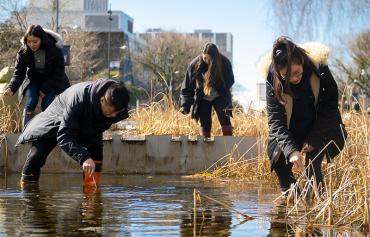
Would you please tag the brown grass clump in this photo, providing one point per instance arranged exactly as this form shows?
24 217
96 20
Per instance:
159 118
345 200
10 118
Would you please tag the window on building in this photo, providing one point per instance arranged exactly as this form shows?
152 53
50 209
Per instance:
130 26
95 5
100 23
221 41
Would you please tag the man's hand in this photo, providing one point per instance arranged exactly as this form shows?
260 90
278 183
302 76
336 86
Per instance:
88 166
296 158
42 95
8 92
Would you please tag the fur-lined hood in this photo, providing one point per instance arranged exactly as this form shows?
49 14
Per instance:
317 52
57 37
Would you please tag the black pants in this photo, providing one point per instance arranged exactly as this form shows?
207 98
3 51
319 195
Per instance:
283 170
40 150
205 113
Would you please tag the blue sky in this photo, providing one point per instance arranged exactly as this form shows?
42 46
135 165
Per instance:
247 20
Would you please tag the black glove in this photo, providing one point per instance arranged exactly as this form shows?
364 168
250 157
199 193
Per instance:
185 110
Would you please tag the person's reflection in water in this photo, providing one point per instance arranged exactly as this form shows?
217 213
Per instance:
279 226
82 216
91 212
214 221
37 218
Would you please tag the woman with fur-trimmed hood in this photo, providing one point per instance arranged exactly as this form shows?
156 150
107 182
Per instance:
39 70
302 107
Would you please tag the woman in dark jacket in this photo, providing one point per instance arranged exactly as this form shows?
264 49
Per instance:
207 84
39 70
303 114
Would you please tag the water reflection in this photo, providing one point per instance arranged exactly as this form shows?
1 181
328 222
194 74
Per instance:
136 206
35 217
210 219
46 214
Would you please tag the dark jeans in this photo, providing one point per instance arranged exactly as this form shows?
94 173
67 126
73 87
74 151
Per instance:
40 150
283 170
205 113
32 98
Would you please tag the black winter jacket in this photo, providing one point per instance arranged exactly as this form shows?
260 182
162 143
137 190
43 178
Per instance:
54 78
75 119
192 86
328 125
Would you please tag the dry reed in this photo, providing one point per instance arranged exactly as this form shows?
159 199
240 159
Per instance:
10 117
345 200
163 117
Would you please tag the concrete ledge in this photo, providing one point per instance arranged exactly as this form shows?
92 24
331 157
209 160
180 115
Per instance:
145 155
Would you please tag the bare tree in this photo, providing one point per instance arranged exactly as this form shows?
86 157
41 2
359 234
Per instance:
9 44
357 71
166 56
85 52
14 12
311 18
52 9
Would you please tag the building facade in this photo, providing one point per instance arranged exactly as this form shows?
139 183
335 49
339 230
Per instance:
89 15
115 27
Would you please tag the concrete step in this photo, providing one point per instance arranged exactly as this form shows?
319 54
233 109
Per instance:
151 154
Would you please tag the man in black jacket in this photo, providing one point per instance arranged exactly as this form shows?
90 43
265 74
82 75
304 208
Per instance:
75 121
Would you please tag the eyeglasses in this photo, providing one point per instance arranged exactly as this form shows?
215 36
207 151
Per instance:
297 74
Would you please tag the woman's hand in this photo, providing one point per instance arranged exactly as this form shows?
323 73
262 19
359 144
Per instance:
42 95
296 158
307 148
8 92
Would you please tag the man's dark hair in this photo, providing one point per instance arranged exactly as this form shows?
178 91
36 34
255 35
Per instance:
117 96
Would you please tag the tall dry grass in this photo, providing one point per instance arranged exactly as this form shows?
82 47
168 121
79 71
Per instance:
163 117
10 118
345 200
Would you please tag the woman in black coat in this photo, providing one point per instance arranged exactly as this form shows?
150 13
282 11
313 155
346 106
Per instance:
303 114
39 70
207 84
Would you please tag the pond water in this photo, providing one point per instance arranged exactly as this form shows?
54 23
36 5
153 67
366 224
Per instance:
138 205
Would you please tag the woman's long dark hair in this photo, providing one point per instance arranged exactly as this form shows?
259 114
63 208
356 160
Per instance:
284 54
37 31
213 76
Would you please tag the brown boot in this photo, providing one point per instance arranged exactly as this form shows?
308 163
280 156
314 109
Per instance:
227 130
